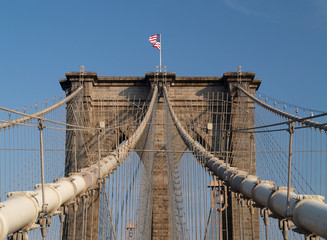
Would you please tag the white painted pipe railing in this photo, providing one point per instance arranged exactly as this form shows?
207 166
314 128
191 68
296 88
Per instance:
22 209
308 212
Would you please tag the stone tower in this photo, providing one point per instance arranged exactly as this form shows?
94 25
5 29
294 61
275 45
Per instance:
181 90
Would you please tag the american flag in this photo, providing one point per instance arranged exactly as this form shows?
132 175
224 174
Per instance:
155 40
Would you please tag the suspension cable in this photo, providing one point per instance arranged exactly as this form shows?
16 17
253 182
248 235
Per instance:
286 115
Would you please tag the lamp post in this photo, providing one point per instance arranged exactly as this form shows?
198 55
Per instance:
130 230
218 200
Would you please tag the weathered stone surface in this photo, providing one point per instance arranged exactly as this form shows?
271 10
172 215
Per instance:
189 95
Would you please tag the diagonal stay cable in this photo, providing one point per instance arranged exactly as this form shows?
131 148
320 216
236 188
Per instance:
313 208
26 204
109 212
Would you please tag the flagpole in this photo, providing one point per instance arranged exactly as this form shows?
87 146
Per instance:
160 53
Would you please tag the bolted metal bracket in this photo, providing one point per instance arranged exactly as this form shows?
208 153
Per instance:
265 213
21 235
43 223
312 237
285 225
250 205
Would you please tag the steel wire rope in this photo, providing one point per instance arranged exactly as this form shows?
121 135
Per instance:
278 157
198 193
12 184
326 166
1 161
277 124
200 166
267 143
22 169
75 127
116 193
43 103
86 201
316 162
276 143
285 103
54 139
241 109
263 160
102 224
71 129
126 197
321 164
284 114
312 174
36 115
245 120
180 203
112 197
200 148
187 183
141 207
204 198
109 212
121 201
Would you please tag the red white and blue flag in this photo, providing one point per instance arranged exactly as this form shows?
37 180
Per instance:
155 40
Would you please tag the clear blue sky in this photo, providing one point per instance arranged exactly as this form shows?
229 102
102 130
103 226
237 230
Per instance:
284 42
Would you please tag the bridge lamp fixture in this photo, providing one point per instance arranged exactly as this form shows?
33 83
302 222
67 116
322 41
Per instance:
130 230
218 195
